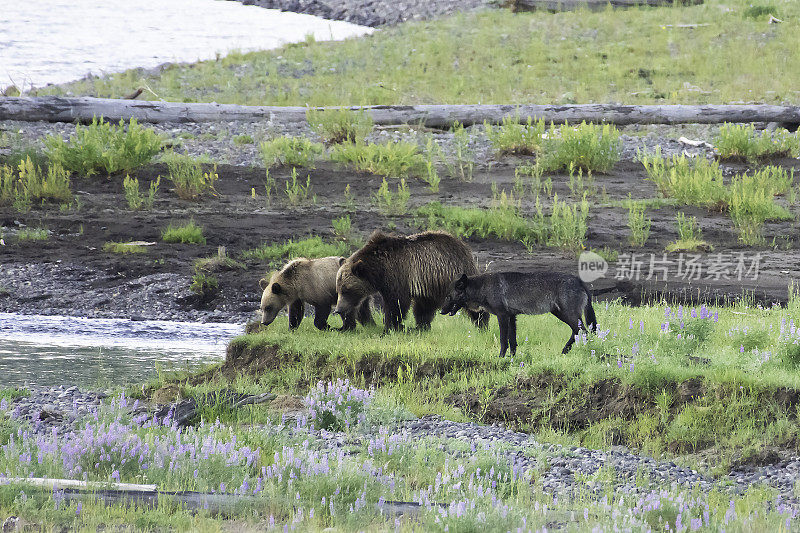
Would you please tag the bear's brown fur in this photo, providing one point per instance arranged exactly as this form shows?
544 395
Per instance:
311 281
419 268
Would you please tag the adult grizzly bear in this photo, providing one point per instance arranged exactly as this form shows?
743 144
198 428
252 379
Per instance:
419 267
311 281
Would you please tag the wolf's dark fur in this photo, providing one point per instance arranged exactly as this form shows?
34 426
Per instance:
418 268
508 294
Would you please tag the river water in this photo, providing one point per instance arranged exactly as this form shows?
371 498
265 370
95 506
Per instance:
89 352
56 41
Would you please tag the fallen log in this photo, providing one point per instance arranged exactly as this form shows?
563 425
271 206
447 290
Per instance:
593 5
61 109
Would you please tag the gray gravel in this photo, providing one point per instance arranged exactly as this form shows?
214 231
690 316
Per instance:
373 12
60 409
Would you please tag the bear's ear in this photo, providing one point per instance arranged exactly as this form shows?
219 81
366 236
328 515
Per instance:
342 260
276 288
263 282
359 269
462 282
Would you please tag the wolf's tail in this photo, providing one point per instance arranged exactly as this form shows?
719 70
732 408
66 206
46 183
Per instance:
588 310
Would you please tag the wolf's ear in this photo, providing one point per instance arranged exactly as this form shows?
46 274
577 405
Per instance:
462 282
263 282
359 269
276 288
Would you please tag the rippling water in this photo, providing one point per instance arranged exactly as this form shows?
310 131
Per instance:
55 41
56 350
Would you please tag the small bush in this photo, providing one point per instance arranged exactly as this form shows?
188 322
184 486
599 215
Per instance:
243 139
512 137
690 181
759 12
739 141
463 156
188 178
390 203
204 285
340 125
293 151
297 193
400 159
30 184
134 198
567 225
104 146
312 248
690 238
503 222
33 234
431 175
588 146
337 406
189 233
638 223
342 227
123 248
752 202
221 261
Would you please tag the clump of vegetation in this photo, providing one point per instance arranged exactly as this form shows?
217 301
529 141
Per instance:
221 261
394 159
135 199
463 156
311 248
204 285
690 181
342 227
243 139
535 171
587 146
690 237
581 184
292 151
104 146
337 406
188 178
513 137
189 233
297 193
389 203
114 247
760 11
33 234
638 223
751 201
741 141
29 184
340 125
566 227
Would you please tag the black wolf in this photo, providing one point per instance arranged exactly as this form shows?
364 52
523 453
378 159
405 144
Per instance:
508 294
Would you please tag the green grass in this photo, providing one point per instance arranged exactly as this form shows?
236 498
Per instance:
513 137
630 56
297 193
102 146
188 233
29 184
204 285
188 178
123 248
311 248
589 147
293 151
137 200
340 125
740 141
243 139
33 234
690 237
690 181
393 159
392 203
752 201
638 223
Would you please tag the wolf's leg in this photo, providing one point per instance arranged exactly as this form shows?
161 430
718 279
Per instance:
424 311
296 310
503 320
573 322
321 313
512 333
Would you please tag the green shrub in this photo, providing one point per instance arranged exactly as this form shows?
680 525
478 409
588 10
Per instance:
390 203
690 181
297 193
463 156
29 184
502 222
690 237
342 227
189 233
293 151
123 248
33 234
134 198
740 141
204 285
400 159
221 261
243 139
587 146
311 248
512 137
340 125
104 146
759 11
567 225
638 223
751 201
188 178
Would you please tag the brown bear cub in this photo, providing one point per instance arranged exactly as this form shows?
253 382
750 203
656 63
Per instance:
419 268
311 281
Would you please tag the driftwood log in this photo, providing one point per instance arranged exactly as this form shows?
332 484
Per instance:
594 5
150 496
61 109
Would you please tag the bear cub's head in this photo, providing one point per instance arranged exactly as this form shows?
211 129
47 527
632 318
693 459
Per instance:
273 299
